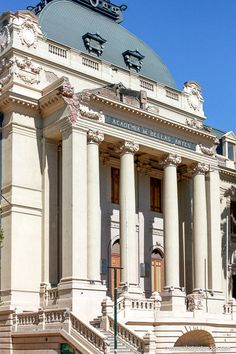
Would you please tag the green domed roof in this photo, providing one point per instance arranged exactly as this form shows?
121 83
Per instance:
67 22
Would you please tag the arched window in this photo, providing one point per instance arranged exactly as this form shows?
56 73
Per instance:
115 262
157 271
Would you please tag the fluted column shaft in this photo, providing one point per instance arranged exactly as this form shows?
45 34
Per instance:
199 225
74 204
171 221
94 208
128 239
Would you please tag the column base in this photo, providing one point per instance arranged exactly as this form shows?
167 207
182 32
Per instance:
173 299
82 297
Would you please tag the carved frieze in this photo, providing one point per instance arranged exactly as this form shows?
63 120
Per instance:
193 92
27 71
4 37
6 73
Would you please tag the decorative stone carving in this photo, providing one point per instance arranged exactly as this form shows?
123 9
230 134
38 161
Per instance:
153 109
133 59
208 151
5 64
4 37
128 147
94 43
27 71
194 123
193 93
72 100
29 33
195 301
199 168
6 72
95 137
171 159
86 112
5 79
51 76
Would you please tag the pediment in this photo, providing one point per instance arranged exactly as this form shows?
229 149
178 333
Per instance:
230 136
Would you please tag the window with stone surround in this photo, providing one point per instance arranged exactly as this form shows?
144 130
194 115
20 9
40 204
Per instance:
115 185
155 195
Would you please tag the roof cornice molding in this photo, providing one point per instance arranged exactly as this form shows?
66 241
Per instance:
150 116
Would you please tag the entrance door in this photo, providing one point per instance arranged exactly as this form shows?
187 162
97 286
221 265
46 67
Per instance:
157 271
115 262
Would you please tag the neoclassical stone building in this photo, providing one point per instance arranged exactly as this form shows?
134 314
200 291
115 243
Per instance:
106 163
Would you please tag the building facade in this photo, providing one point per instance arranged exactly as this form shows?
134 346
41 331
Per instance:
105 163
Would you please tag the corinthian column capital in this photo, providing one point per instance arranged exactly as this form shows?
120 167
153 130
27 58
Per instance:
128 147
95 137
171 160
199 168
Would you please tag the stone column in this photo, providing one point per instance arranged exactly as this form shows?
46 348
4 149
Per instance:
128 237
94 208
74 204
171 221
199 225
215 237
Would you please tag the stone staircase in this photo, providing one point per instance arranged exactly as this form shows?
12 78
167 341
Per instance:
121 347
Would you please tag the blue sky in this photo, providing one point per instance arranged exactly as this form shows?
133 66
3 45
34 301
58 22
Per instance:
195 39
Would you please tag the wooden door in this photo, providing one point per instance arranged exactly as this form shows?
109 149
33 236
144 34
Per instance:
157 271
115 262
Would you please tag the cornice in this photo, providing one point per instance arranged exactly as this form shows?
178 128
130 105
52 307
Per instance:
148 115
9 98
228 173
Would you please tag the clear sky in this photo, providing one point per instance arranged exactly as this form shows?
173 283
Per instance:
195 39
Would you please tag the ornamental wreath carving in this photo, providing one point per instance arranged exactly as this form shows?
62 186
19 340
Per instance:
4 37
29 34
27 71
193 93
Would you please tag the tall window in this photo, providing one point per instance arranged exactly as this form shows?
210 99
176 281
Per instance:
155 195
115 184
231 148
